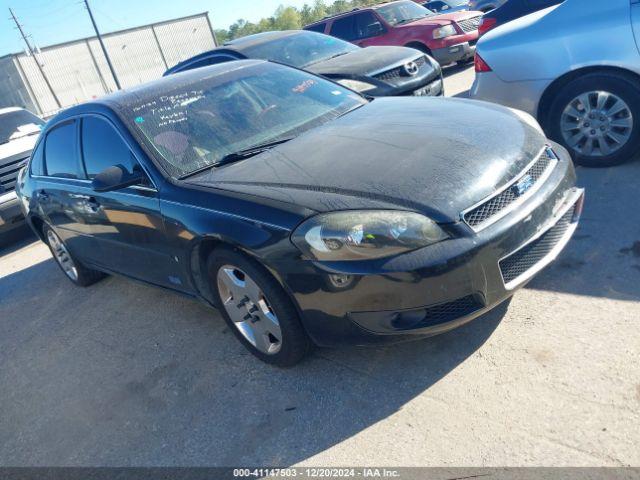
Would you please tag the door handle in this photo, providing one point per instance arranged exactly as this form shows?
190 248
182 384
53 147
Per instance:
42 196
79 195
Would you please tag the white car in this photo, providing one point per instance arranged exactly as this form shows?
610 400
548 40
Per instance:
576 68
19 130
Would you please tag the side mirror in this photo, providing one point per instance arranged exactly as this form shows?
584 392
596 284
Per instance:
116 178
374 29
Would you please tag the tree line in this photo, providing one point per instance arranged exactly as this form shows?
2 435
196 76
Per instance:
290 18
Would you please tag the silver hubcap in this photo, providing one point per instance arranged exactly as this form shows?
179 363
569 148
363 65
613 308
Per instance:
597 124
249 309
62 256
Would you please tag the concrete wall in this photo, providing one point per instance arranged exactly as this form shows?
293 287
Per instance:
78 71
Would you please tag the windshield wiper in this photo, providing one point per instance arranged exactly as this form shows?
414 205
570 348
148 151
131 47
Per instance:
239 155
249 152
324 59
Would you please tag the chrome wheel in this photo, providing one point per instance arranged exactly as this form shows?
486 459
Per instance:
249 309
596 124
61 254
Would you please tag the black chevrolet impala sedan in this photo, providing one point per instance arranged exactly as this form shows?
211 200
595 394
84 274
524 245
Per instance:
306 213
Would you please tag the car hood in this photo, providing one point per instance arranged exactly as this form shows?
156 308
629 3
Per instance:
442 19
436 156
18 148
365 61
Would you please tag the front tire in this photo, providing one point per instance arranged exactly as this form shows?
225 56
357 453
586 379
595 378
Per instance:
257 309
73 269
597 118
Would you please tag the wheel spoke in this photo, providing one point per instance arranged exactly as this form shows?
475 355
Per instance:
585 100
605 149
603 97
619 139
233 284
623 122
587 149
252 290
573 112
617 107
575 139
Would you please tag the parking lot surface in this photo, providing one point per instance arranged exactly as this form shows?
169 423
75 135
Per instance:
122 374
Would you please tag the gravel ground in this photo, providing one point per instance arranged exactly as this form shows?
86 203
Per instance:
122 374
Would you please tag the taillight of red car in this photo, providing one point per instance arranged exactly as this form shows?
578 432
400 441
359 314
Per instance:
486 24
480 65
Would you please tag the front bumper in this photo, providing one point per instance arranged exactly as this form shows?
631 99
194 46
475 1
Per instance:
10 212
460 52
437 288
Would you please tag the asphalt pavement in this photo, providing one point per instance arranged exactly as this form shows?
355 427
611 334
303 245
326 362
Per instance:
121 374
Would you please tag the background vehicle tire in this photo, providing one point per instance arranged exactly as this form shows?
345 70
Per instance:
597 118
257 309
72 268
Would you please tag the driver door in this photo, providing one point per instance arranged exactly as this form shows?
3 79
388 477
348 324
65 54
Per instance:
126 224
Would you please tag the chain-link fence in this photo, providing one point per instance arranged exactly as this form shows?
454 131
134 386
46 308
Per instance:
77 71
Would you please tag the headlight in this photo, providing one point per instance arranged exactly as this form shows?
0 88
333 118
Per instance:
356 85
365 234
445 31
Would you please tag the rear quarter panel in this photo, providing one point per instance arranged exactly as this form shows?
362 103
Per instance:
573 35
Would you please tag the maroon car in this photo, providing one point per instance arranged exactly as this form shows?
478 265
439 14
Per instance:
448 38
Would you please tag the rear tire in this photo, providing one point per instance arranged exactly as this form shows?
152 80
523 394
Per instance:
73 269
584 118
257 309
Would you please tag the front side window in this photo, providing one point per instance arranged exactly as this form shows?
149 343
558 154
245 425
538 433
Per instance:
18 124
60 151
403 12
301 49
367 25
203 119
102 147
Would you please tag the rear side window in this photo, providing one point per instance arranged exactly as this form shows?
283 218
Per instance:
37 160
344 28
320 27
205 62
102 147
60 151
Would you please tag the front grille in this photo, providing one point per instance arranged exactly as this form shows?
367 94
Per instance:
443 313
399 71
484 212
470 24
520 262
9 174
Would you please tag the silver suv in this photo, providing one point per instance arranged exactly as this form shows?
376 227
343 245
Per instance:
574 66
19 130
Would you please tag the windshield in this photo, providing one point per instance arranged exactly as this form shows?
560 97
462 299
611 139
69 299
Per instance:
301 49
207 118
17 124
403 12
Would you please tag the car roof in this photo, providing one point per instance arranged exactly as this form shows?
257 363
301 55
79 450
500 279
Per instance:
122 101
260 38
353 11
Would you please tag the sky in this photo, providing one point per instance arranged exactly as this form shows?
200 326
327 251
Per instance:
54 21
